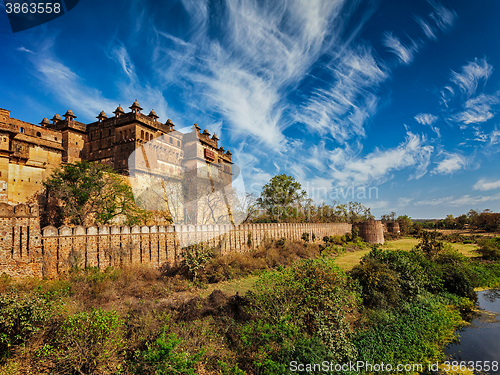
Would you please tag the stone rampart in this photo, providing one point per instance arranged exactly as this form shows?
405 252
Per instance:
27 250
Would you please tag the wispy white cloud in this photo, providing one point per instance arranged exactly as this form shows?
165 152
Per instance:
266 48
471 75
477 110
403 52
442 16
494 137
376 167
446 94
23 49
433 202
463 201
342 108
426 28
83 100
121 56
449 164
426 118
429 120
404 201
377 204
485 185
468 200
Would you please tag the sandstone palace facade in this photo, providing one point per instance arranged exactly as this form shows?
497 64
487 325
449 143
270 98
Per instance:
162 163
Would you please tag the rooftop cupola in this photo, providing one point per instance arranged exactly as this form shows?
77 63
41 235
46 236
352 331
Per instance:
228 153
196 128
102 116
221 149
70 116
45 122
135 107
206 133
56 118
119 111
153 115
170 124
215 139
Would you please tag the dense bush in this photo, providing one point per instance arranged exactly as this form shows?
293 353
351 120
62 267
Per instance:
429 243
87 343
313 295
163 357
21 315
489 248
411 333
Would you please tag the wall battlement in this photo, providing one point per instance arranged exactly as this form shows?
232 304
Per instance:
27 250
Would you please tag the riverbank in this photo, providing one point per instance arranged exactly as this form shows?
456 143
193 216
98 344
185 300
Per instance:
292 301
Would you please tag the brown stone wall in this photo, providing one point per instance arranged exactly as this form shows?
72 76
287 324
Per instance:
20 241
371 231
26 250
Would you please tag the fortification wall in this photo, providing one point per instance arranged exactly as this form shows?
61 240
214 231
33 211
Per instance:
27 250
20 241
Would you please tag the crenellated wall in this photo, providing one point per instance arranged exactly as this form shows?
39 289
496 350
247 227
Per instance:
27 250
20 241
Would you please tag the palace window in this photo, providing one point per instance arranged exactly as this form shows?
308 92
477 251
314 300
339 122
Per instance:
21 130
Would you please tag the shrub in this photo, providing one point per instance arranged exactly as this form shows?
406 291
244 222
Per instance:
380 284
429 243
305 237
489 248
313 295
88 343
21 316
455 274
412 333
163 357
196 257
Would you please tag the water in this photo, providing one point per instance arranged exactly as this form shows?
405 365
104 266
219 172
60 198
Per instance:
480 341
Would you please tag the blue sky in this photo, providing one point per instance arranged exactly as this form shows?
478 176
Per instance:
400 98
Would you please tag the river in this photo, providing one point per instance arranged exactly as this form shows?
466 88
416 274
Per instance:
480 341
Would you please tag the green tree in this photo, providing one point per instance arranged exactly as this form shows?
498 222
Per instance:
405 224
90 193
280 195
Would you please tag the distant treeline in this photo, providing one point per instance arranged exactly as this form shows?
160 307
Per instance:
486 220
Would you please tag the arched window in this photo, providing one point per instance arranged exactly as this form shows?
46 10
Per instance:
170 140
178 143
142 134
38 134
21 130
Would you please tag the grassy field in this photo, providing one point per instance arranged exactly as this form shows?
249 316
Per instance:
409 243
239 286
346 262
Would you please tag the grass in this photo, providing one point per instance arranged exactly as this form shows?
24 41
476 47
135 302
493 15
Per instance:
408 243
239 286
348 260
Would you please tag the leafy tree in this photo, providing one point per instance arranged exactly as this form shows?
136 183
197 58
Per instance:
280 195
450 222
405 224
90 193
429 243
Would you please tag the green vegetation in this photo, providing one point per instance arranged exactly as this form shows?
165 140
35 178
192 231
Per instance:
86 193
392 306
